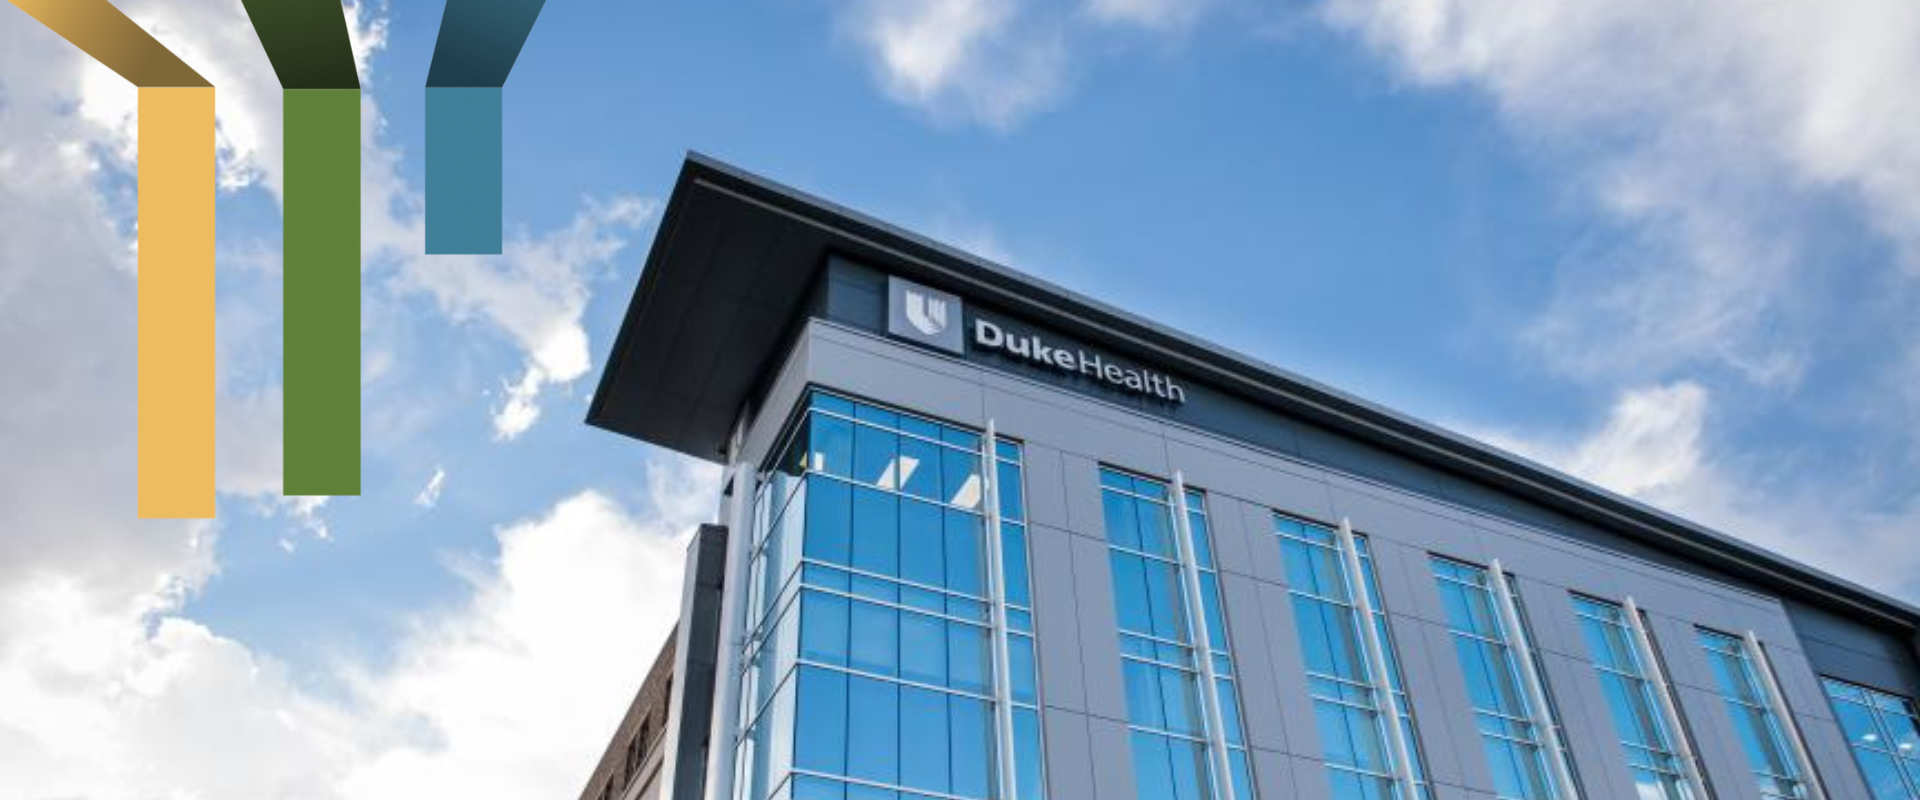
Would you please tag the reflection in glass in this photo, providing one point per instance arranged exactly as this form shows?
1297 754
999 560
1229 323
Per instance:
1754 725
1347 709
1885 735
1165 709
1501 710
1626 684
869 658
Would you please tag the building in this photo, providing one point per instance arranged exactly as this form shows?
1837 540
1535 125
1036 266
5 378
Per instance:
984 537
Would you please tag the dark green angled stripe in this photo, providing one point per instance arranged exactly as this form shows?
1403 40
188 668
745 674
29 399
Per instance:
321 295
479 41
307 42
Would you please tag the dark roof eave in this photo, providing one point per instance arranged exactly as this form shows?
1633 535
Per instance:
918 256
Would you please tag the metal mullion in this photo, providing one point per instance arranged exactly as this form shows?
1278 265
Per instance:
1757 656
1662 689
1388 714
1203 643
1521 650
997 607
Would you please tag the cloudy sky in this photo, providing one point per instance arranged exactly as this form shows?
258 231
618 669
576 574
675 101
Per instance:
1670 247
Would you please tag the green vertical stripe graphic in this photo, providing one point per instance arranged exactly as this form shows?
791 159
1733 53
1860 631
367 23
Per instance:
322 292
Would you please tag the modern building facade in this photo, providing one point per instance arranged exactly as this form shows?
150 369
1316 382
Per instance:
983 538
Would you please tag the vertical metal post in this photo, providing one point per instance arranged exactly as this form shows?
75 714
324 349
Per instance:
724 733
1398 748
1757 656
1522 651
1656 673
1203 644
1003 758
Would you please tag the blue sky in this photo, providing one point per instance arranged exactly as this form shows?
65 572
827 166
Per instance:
1673 251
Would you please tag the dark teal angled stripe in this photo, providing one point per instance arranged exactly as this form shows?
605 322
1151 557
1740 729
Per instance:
463 170
479 41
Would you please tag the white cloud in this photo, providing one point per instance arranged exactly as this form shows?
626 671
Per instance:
507 695
1158 15
988 61
1655 446
534 293
110 691
1717 133
429 495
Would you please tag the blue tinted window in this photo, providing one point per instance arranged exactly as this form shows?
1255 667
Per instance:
873 743
922 543
823 628
892 606
1754 724
923 751
1626 683
1487 659
1159 665
820 736
1884 733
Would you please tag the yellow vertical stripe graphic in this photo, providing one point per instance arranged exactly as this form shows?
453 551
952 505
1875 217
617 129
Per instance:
176 295
176 171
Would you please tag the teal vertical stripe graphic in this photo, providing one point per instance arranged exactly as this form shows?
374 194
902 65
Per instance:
320 248
463 169
479 41
322 293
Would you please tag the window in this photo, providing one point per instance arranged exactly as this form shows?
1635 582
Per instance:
1166 708
869 669
1495 686
1627 683
1754 723
1346 704
1885 735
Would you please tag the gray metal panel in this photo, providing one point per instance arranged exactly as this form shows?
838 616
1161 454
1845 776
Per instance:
1714 741
1798 681
779 402
1309 779
895 375
1598 757
1272 774
1443 709
1056 618
1530 554
1082 478
1069 754
1550 617
1226 521
1253 662
1112 749
1247 473
1046 487
1406 580
1288 671
1833 760
1099 629
1679 645
1076 425
1394 519
1263 544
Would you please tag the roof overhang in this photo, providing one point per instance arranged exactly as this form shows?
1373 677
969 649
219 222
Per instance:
728 277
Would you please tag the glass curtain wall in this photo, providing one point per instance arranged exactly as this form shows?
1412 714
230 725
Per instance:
1761 737
1346 705
1626 683
1163 681
1885 735
1494 685
869 672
